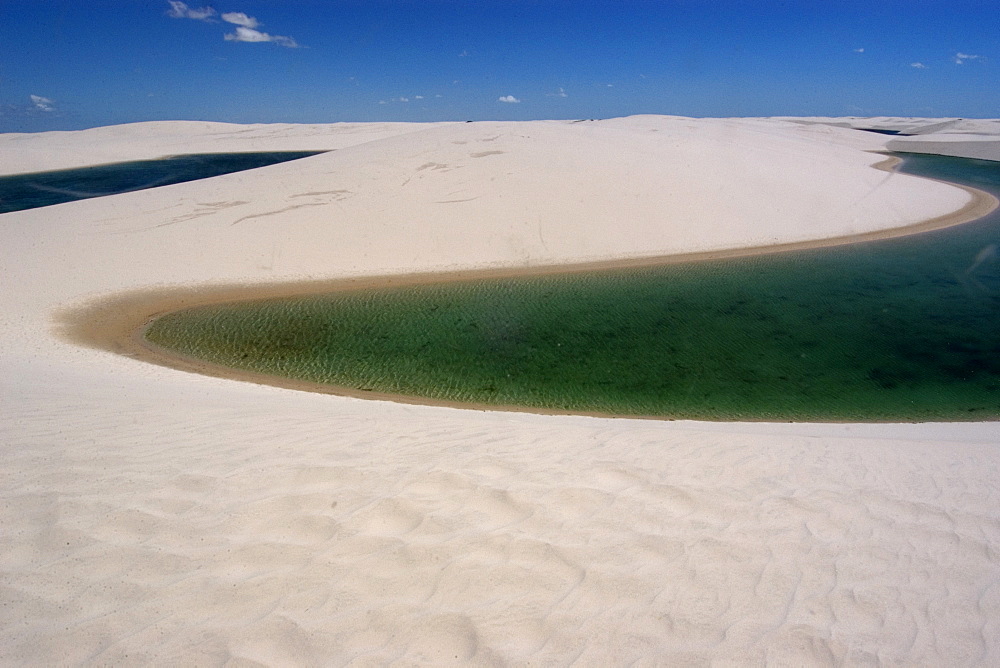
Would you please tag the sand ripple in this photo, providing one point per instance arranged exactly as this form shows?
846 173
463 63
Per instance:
486 539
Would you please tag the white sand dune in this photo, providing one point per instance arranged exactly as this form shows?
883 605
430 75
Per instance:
38 152
154 516
960 137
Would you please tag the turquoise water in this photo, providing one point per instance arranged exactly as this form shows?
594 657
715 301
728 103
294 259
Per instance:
29 191
903 329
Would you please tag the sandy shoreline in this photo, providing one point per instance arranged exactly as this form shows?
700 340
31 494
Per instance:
118 324
154 516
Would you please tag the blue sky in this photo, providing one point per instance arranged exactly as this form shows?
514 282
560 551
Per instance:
69 64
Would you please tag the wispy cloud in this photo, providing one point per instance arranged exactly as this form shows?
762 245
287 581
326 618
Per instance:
180 10
509 99
244 34
960 58
246 26
42 103
240 19
861 50
560 93
919 66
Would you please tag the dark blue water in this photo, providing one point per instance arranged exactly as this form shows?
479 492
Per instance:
885 132
29 191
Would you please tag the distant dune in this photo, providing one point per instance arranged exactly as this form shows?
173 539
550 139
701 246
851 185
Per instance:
959 137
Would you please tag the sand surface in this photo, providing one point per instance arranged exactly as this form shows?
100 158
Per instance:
46 151
155 516
960 137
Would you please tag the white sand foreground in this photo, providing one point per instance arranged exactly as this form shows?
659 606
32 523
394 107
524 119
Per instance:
154 516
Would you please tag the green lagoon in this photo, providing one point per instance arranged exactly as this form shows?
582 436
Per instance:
906 329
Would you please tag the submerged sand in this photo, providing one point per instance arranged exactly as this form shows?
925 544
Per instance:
153 515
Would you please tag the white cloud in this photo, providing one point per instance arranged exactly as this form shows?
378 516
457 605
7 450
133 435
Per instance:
246 26
418 97
962 57
179 10
861 50
248 35
244 34
42 103
561 93
510 99
240 19
464 54
919 66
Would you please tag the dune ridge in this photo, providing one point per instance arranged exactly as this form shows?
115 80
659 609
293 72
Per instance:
157 516
960 137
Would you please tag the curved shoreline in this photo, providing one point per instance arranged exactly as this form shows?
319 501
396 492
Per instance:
118 323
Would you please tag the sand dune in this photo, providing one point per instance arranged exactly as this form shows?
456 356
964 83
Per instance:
154 516
960 137
25 153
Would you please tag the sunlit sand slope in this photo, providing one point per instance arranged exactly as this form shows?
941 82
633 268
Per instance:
960 137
